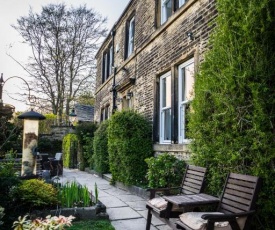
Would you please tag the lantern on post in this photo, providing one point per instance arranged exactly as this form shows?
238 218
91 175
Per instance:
30 140
72 117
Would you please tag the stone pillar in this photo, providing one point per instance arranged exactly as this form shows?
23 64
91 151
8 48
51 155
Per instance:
30 140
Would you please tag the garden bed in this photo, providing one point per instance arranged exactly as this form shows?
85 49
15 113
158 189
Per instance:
81 213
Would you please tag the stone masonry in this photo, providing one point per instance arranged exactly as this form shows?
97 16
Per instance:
157 49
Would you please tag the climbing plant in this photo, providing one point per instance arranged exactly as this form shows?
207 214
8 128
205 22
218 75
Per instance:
233 114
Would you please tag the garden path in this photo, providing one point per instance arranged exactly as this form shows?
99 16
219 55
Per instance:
126 211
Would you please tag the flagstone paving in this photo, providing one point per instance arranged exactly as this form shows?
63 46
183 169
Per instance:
125 210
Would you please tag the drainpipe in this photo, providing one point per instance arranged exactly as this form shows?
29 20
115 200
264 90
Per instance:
114 77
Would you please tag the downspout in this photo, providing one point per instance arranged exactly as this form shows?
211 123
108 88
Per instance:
114 77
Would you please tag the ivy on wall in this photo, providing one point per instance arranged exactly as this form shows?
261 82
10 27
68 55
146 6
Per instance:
233 118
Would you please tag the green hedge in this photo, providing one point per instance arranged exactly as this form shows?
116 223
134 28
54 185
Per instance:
69 150
129 144
233 119
85 133
101 155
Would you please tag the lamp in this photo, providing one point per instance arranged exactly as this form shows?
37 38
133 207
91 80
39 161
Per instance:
72 117
129 95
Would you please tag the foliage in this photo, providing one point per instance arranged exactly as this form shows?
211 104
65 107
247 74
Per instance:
46 145
8 178
129 144
45 125
233 122
69 150
164 171
50 222
86 98
100 144
74 195
10 135
96 193
35 193
63 42
1 215
8 181
85 133
92 224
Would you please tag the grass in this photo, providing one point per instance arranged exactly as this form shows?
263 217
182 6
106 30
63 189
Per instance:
92 224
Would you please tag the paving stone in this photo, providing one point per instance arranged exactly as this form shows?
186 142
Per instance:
123 213
117 192
155 221
126 198
137 205
111 202
133 224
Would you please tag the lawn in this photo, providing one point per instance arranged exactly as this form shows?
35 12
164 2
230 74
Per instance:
92 224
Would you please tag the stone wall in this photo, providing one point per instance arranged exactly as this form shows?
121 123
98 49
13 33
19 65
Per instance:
157 49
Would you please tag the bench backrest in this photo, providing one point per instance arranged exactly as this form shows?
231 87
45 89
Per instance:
58 156
194 180
240 193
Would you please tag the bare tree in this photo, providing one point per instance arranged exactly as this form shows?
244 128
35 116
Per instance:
64 43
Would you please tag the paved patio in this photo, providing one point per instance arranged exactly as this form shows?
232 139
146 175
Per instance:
126 211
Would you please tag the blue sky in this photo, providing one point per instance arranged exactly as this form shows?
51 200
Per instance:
10 11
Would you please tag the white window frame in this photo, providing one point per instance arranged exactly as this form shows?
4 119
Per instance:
164 12
110 60
131 36
164 109
182 103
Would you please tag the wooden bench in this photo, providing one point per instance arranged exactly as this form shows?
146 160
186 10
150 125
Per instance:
193 183
235 209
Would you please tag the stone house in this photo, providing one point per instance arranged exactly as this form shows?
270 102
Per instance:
147 63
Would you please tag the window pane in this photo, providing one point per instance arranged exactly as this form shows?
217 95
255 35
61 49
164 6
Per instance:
167 124
166 92
168 9
130 36
111 60
181 2
186 94
184 119
189 82
165 108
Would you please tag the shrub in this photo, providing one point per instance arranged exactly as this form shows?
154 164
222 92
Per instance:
69 150
233 121
129 144
8 178
35 193
85 134
101 155
46 145
165 171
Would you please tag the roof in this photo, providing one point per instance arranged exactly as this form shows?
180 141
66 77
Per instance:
84 112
